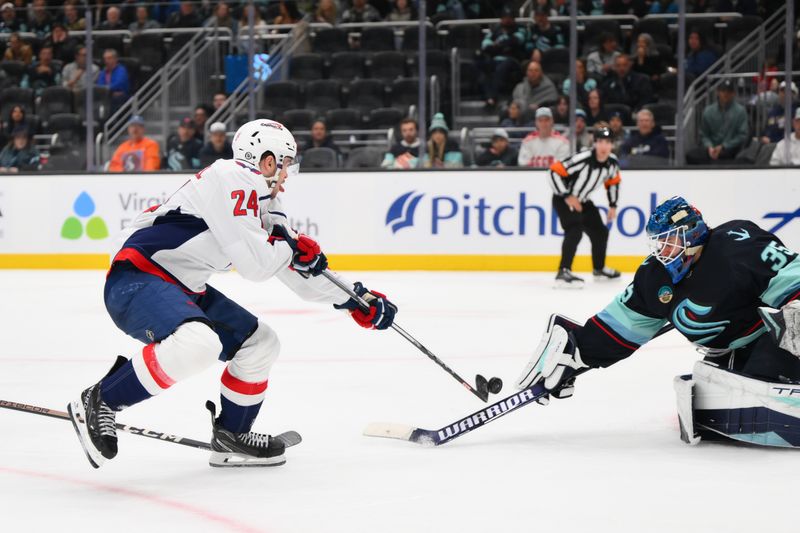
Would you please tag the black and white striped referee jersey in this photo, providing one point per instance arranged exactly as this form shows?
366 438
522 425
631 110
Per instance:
580 174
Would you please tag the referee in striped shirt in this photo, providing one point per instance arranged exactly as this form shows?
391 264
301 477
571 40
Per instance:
573 181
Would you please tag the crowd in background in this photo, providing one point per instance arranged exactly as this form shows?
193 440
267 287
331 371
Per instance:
615 85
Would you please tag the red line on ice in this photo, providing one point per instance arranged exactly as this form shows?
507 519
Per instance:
198 512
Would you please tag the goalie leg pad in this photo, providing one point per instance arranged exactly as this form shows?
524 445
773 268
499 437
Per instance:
745 409
684 393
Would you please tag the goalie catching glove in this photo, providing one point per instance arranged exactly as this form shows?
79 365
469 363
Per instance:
380 314
307 259
555 361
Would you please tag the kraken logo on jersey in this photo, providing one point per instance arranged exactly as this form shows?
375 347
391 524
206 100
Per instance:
685 315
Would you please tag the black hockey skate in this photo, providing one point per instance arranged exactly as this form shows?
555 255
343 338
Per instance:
565 279
243 449
606 273
95 422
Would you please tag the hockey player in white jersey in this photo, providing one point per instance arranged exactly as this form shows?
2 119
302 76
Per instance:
227 216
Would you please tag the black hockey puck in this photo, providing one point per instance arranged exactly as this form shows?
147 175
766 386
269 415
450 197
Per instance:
495 385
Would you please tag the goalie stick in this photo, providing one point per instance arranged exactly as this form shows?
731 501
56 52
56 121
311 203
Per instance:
472 422
482 386
289 438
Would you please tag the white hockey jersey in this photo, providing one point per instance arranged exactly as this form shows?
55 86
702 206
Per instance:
219 220
540 152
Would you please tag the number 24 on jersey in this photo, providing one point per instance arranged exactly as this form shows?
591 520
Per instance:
252 203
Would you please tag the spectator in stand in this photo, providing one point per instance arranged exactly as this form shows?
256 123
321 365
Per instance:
646 142
74 74
115 77
9 22
219 100
402 11
773 132
500 153
585 83
442 152
544 35
17 50
288 13
217 146
501 50
320 138
185 17
42 73
40 23
700 57
201 114
64 46
72 18
183 149
404 154
19 154
16 119
516 117
617 128
361 11
583 139
259 26
624 86
779 154
143 21
594 106
536 89
561 111
113 20
544 146
327 12
723 129
222 17
601 61
646 59
138 153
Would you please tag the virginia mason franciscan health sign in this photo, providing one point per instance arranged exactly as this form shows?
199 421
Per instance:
497 220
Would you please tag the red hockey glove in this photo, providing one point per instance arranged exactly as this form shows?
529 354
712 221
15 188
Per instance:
307 259
381 311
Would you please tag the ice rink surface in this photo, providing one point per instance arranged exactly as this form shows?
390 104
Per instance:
607 460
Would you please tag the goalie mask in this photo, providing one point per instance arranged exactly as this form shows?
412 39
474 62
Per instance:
676 233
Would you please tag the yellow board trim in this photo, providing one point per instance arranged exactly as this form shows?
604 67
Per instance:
55 261
497 263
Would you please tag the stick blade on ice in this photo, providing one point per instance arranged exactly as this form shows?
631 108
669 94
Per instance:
389 430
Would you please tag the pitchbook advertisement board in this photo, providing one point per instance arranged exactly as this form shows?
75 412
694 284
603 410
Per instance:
469 220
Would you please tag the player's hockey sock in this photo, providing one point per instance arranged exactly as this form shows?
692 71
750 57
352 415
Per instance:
241 401
137 380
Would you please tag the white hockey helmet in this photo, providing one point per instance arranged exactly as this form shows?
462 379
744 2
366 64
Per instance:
254 139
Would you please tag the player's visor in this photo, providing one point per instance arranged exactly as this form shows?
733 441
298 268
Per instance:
668 245
287 162
292 169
